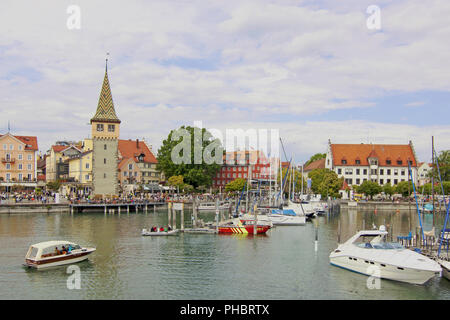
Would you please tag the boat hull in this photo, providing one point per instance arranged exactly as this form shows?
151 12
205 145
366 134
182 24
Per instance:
445 268
160 233
284 220
59 260
243 229
387 271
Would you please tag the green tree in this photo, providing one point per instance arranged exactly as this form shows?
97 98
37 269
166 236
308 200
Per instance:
236 185
53 185
176 181
443 160
191 152
369 188
325 182
388 189
315 157
405 188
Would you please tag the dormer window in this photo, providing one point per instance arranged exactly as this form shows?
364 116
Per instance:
399 162
388 161
343 161
357 161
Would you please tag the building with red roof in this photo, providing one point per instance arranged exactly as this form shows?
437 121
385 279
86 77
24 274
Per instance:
137 163
381 163
18 160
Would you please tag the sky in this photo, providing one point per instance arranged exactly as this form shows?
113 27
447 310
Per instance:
313 70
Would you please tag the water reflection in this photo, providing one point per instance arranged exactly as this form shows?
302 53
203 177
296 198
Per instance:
283 264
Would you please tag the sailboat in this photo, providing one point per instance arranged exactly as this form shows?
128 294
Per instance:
292 214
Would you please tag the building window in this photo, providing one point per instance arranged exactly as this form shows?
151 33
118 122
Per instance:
124 173
20 156
357 171
87 177
339 171
104 160
381 172
20 166
4 147
20 148
104 175
348 171
111 127
87 165
373 171
365 171
99 126
381 181
388 161
403 172
8 166
358 181
388 172
29 177
29 167
395 181
388 180
30 157
395 172
8 176
11 147
343 161
104 147
358 161
130 166
399 162
20 177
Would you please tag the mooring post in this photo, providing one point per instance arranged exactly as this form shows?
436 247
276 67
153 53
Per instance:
182 217
174 218
128 208
195 211
169 213
105 209
118 209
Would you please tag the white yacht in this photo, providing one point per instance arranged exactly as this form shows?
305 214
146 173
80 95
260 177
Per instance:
368 248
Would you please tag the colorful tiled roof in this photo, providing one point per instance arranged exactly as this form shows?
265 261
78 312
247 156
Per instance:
134 148
30 141
105 109
384 152
318 164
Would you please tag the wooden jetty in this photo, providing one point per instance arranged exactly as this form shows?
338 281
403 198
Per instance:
114 207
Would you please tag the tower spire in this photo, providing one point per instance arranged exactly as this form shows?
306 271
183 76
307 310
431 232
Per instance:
105 108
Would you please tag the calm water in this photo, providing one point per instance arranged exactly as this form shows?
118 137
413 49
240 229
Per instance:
281 265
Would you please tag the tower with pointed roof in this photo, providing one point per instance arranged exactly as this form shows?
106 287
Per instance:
105 136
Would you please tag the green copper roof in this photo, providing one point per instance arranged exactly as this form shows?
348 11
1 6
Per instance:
105 109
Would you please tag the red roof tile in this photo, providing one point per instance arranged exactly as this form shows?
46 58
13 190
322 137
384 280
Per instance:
318 164
30 141
133 148
383 152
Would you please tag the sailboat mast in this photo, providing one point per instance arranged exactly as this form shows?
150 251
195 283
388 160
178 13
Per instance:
432 173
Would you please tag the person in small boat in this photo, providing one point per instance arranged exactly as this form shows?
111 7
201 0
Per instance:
165 229
69 248
161 229
169 228
57 252
63 250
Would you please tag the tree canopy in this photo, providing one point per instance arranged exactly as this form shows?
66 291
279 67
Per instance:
325 182
369 188
443 159
192 153
236 185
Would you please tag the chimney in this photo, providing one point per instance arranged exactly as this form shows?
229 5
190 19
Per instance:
137 143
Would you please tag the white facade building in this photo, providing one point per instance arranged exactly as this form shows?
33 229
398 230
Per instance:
380 163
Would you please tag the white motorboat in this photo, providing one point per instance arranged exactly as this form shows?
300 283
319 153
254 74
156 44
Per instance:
445 268
367 252
55 253
146 232
211 206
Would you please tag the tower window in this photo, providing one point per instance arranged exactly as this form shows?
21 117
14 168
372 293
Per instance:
104 160
104 175
111 127
99 126
104 146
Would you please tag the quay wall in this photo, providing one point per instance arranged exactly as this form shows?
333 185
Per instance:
379 205
34 208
